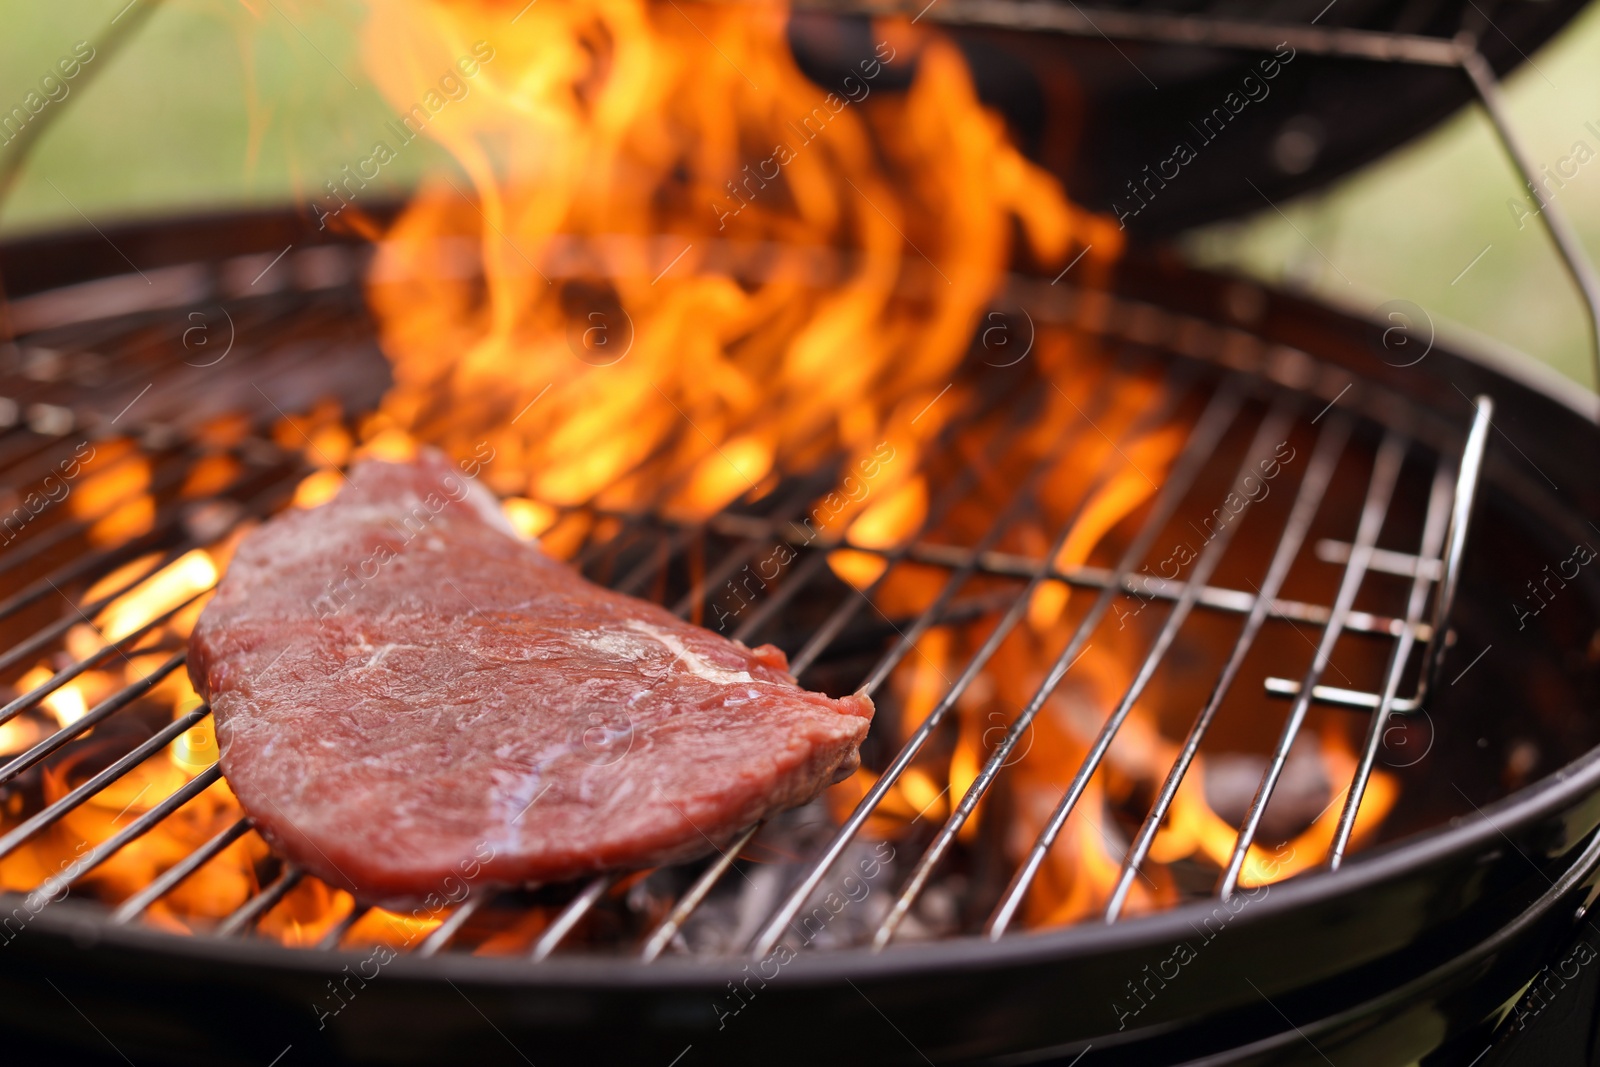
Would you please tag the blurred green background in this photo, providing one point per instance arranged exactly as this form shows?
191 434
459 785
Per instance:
211 102
256 101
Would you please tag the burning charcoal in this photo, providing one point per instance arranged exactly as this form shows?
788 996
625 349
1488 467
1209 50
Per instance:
1520 762
1302 793
850 902
844 910
938 909
209 520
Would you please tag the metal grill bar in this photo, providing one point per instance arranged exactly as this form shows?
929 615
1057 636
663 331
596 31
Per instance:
766 530
1385 472
634 520
250 912
1084 576
53 631
666 551
1313 487
170 878
1554 216
1384 560
668 928
120 646
134 830
851 606
17 445
1274 427
840 617
762 532
169 465
742 555
1354 699
79 567
943 504
101 711
65 531
800 579
662 554
1197 450
1230 601
48 815
593 547
570 915
441 935
1456 541
316 332
1433 533
328 331
336 932
637 521
774 930
1019 504
87 564
569 918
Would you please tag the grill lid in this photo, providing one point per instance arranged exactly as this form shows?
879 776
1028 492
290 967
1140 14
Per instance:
1109 96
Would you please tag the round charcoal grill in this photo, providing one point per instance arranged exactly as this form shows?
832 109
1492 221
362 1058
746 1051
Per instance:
1444 918
1406 583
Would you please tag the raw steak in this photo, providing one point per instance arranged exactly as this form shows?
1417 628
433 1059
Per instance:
406 696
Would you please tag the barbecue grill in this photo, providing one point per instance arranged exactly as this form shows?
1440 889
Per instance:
1394 588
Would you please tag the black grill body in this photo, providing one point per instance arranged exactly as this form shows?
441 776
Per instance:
1409 951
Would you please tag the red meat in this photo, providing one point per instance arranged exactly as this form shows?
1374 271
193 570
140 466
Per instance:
408 696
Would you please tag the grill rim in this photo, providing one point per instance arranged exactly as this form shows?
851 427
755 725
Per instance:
1549 798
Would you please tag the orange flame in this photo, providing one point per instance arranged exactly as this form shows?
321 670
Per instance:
656 191
675 270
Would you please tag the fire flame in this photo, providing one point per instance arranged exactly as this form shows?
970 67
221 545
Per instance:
693 258
676 269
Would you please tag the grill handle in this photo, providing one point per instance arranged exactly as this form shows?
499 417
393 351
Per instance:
1455 542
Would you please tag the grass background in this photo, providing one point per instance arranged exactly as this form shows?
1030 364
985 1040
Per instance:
212 102
238 102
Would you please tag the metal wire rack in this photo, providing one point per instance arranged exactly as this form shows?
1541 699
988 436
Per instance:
1217 381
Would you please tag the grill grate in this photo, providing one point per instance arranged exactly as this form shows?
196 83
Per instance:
295 333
